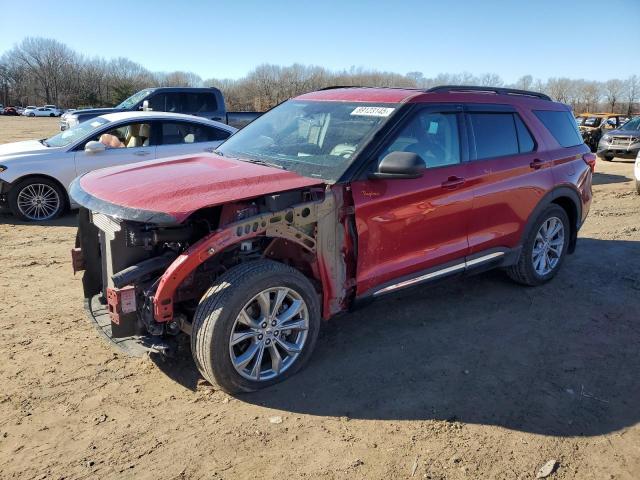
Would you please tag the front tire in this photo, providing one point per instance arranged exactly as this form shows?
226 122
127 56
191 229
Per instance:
37 199
544 249
256 326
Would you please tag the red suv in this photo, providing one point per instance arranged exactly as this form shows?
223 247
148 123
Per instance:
331 199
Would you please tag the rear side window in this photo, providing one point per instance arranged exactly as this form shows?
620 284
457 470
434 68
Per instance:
561 125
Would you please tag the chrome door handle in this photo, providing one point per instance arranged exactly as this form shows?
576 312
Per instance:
142 154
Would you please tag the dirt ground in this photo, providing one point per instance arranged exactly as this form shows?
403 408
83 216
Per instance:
474 378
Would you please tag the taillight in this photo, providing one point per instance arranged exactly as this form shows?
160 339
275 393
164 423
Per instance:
590 159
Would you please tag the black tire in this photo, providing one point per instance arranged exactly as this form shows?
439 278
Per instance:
31 115
523 271
52 114
20 186
220 306
607 158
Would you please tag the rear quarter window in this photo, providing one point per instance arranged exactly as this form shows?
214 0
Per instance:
561 126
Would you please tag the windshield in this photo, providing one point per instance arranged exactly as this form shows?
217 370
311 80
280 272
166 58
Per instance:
633 124
313 138
133 99
77 132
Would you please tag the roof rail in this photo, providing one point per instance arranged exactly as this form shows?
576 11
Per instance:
496 90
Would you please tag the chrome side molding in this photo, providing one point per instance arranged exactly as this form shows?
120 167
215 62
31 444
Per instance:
439 273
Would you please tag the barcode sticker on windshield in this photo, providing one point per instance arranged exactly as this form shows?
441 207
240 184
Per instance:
373 111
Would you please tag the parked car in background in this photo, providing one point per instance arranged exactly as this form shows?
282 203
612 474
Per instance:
327 201
1 108
20 110
201 102
593 125
41 112
10 111
57 111
34 175
623 142
28 109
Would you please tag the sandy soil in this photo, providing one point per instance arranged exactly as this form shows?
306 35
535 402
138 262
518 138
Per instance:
474 378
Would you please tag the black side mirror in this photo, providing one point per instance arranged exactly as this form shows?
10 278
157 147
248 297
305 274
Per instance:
400 165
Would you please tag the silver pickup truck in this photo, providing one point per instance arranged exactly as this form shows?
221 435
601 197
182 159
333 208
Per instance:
202 102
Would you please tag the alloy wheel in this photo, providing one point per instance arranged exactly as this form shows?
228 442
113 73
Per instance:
548 246
269 334
38 201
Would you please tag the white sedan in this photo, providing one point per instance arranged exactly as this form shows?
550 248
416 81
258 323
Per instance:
40 112
35 174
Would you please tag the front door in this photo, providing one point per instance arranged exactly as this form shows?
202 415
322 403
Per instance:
408 226
128 143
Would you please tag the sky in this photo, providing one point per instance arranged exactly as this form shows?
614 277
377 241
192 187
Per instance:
227 39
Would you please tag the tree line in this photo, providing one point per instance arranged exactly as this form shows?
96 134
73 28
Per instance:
44 71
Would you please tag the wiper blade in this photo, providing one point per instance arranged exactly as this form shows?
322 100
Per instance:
266 164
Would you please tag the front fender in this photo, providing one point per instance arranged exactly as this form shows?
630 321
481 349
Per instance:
276 225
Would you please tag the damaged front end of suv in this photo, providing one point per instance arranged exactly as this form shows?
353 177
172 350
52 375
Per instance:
145 273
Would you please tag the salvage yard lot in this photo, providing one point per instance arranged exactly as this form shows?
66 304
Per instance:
472 378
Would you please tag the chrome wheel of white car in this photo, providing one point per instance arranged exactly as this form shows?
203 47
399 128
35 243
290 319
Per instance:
38 201
269 334
548 246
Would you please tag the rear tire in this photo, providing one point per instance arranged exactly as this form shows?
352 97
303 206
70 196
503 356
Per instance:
37 199
237 307
533 270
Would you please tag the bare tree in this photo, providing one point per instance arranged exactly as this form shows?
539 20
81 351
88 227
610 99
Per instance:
524 82
633 90
46 60
613 90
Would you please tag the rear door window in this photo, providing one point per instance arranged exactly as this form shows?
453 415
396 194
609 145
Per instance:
495 134
525 140
176 133
561 126
200 102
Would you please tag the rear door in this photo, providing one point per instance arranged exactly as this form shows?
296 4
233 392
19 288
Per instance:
184 137
407 226
127 143
510 173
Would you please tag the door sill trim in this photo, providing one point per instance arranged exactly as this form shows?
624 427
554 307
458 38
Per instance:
457 267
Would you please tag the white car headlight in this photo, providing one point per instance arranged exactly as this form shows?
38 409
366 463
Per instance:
606 138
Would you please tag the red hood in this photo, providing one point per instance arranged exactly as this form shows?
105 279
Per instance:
179 186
